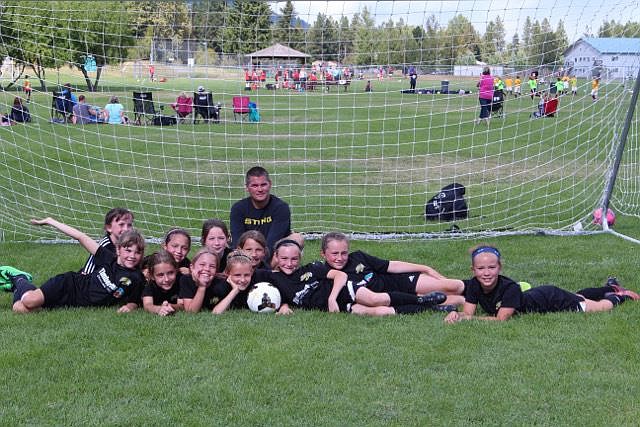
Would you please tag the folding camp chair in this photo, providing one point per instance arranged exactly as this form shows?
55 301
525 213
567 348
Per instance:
143 107
61 106
205 108
240 107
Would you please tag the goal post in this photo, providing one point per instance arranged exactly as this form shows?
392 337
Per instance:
352 141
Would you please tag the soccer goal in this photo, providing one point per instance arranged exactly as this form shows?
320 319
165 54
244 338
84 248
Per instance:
367 110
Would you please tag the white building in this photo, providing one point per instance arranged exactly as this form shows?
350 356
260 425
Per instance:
611 58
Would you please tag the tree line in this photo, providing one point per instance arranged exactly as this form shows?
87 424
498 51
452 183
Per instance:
41 35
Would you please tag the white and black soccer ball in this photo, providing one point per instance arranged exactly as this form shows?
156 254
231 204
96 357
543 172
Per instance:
263 297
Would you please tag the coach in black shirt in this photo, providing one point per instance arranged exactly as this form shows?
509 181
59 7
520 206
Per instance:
260 211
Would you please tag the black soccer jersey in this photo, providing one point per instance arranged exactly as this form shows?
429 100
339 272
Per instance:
507 293
90 265
213 294
160 295
109 284
361 265
307 287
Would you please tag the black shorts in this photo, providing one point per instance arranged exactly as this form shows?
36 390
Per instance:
550 299
347 296
58 291
394 282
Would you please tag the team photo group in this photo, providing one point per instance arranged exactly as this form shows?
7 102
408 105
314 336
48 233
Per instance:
256 263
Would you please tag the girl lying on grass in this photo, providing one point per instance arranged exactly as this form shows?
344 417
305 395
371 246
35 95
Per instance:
216 238
316 286
381 275
501 297
254 244
160 295
178 243
116 279
203 289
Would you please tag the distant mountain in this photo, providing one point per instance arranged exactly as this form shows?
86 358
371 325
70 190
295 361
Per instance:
275 17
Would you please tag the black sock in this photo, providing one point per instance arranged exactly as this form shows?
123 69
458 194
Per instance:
401 298
616 299
21 285
595 294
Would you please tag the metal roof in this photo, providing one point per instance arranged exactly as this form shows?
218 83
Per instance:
278 51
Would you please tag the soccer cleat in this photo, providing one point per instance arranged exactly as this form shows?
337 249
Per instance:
7 273
619 290
446 308
7 287
433 298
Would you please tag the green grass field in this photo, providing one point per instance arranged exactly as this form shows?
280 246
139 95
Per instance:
356 162
92 366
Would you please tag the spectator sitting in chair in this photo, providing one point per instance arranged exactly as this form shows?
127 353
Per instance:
183 106
114 112
84 113
19 111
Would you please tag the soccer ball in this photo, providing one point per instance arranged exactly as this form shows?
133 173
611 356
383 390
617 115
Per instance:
263 297
597 217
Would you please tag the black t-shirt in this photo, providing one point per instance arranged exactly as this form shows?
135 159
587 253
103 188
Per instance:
507 293
90 264
307 287
361 264
159 295
213 294
109 284
273 221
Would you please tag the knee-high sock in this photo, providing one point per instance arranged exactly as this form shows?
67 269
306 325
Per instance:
616 299
21 285
596 294
401 298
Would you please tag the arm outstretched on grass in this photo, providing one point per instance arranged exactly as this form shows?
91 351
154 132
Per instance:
87 242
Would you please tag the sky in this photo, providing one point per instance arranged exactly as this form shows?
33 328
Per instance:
578 16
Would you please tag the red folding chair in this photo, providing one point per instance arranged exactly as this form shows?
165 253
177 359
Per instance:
240 107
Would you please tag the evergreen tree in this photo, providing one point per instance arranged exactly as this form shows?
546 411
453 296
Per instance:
322 41
207 20
248 27
283 27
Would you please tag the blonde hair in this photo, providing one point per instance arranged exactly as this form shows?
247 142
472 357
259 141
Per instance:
205 251
238 257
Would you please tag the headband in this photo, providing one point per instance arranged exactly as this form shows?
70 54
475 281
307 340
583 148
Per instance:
287 242
485 249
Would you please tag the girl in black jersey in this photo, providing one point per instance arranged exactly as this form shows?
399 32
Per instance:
160 295
239 271
201 288
381 275
116 279
255 245
178 243
216 237
116 222
501 297
315 286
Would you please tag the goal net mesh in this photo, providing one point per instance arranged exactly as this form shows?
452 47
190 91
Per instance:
344 157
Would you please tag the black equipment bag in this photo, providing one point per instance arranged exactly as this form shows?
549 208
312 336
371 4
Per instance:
164 120
447 205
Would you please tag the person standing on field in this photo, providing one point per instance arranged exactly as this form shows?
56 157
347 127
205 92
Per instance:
485 95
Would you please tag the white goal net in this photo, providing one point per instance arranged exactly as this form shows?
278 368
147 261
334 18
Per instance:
351 142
